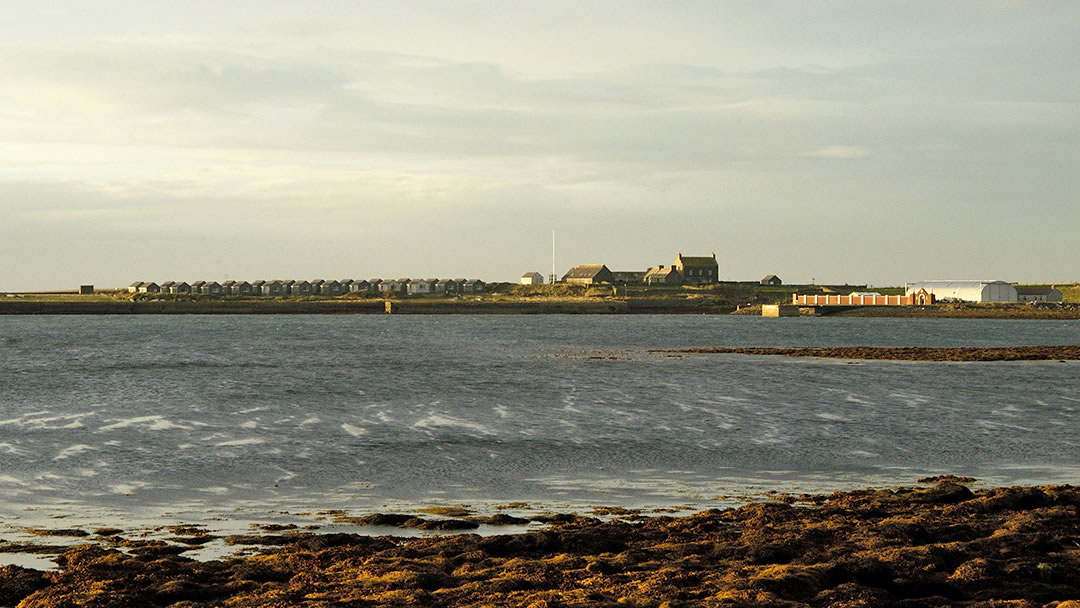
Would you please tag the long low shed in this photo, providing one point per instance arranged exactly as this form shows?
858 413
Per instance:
913 299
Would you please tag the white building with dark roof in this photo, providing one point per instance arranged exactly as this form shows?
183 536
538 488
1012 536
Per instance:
1038 293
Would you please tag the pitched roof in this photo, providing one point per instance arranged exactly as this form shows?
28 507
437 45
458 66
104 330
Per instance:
586 271
1034 290
770 277
661 271
697 261
964 284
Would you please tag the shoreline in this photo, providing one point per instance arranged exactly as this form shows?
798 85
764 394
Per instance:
535 305
891 353
371 306
904 547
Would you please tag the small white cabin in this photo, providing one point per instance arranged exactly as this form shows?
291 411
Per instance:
419 286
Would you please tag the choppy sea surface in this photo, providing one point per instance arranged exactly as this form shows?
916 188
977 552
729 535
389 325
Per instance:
120 420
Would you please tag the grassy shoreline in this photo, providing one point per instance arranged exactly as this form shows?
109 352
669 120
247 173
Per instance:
537 305
505 298
418 306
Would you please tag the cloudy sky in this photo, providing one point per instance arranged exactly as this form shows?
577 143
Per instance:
836 140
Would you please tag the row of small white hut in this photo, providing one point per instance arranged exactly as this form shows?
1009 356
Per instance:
312 288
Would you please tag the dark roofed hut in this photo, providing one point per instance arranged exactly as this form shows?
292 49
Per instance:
588 274
473 286
1038 293
628 277
273 288
332 288
663 276
301 288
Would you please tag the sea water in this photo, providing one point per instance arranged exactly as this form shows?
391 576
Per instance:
121 420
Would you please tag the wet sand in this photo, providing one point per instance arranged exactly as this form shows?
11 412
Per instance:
940 546
1002 353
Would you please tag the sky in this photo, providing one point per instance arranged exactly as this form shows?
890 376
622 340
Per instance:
835 141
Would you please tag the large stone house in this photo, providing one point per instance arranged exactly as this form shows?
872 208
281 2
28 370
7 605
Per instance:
697 270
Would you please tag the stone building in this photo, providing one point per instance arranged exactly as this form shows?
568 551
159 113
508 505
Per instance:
697 270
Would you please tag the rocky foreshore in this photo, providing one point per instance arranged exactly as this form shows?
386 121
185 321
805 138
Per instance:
893 353
944 545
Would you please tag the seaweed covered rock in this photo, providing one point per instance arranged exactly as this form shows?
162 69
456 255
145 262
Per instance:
879 548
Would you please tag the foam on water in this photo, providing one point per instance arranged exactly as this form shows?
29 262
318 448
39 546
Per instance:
75 450
147 423
240 417
355 431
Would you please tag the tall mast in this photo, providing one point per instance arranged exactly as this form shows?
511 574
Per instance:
552 256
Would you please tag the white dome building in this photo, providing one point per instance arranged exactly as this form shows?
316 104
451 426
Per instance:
966 291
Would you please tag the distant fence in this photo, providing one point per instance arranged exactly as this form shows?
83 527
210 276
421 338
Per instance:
915 299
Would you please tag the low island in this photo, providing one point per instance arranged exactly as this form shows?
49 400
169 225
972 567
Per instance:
725 298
